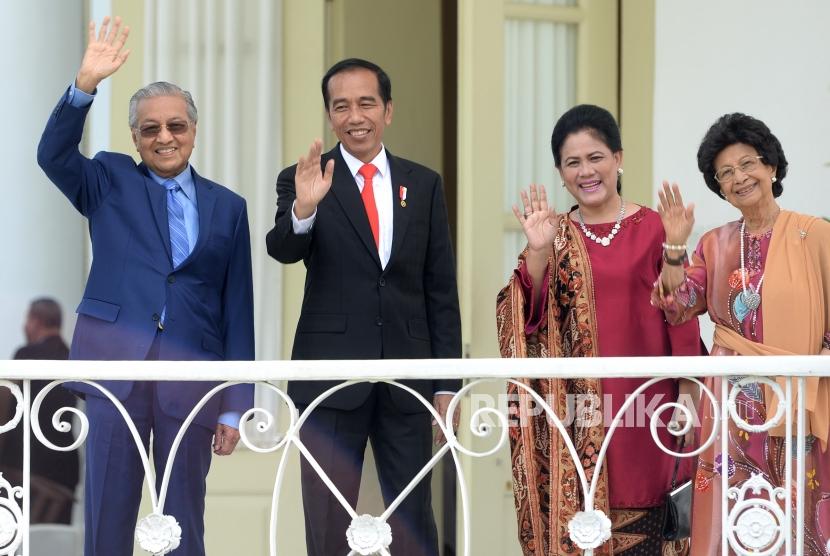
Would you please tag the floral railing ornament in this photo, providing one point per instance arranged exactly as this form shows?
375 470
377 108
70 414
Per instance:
758 525
369 535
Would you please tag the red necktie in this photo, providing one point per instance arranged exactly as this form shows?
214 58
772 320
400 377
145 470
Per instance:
368 196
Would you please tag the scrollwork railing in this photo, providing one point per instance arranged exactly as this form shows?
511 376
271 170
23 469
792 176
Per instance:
758 515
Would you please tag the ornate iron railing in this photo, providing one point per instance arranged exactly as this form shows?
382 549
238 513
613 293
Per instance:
757 514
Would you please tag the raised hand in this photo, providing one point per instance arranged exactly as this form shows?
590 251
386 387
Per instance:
103 54
678 219
538 221
310 182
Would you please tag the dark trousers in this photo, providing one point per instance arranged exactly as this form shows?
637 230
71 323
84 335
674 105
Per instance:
402 445
115 474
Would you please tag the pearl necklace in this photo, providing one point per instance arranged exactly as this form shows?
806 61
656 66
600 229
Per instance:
752 298
604 241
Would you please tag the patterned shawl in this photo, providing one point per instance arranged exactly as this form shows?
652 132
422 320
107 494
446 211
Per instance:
545 482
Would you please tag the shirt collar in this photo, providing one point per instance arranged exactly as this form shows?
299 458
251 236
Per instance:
380 161
185 181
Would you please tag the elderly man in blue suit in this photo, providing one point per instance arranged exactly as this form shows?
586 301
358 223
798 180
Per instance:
170 280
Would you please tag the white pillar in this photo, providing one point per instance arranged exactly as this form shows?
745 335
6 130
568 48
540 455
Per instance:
43 237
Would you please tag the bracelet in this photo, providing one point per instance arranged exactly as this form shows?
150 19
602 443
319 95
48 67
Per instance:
670 247
678 261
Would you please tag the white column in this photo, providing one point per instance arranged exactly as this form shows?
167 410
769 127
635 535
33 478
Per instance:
42 239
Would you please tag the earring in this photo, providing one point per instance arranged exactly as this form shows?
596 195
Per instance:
774 179
563 183
619 171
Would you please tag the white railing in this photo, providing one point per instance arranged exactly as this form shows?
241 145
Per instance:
757 522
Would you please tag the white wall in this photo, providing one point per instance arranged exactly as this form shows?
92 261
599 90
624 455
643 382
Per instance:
41 235
766 58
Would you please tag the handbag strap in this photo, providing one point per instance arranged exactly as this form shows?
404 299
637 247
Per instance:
676 465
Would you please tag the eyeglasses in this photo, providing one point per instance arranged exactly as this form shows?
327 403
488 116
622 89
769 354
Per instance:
151 131
727 173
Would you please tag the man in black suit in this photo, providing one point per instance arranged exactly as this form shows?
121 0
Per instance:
54 474
380 284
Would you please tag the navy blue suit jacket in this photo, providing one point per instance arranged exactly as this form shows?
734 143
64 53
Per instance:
208 298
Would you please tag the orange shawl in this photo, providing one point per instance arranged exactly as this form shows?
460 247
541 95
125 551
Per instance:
796 309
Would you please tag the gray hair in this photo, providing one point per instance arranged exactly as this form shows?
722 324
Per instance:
161 89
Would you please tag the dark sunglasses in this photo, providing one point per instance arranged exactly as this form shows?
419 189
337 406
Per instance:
152 130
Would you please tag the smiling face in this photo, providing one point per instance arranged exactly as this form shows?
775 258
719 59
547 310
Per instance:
745 188
165 153
357 113
589 170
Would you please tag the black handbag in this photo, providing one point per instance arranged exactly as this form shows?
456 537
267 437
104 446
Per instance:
677 510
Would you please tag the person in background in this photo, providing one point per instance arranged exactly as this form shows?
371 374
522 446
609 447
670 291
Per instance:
54 474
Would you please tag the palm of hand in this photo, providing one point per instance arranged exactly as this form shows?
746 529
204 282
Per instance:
101 59
678 218
311 185
676 222
540 229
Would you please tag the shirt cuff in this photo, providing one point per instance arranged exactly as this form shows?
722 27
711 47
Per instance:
302 226
79 98
230 418
447 392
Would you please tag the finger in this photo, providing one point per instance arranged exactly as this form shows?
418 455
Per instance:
316 149
328 172
90 37
123 56
519 216
113 30
554 217
122 38
667 195
534 197
525 201
102 32
663 205
678 198
543 199
690 212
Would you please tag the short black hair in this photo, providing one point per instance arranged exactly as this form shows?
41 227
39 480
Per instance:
734 128
47 311
591 118
384 84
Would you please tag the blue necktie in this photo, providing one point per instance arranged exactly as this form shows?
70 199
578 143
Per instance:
179 246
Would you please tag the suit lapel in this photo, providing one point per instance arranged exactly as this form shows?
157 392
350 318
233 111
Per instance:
205 203
157 196
400 213
347 194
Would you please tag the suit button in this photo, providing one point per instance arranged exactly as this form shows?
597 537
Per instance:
379 321
382 282
156 317
171 279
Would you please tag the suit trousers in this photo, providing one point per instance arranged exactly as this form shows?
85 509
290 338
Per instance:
402 445
115 474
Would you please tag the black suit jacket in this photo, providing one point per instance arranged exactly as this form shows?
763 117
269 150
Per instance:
354 309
